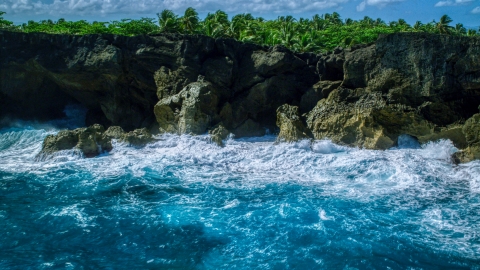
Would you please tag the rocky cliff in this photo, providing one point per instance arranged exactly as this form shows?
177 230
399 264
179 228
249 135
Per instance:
423 85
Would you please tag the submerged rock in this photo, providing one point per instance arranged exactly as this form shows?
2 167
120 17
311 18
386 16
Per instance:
290 124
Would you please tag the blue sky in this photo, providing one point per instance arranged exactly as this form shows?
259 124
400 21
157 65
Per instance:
461 11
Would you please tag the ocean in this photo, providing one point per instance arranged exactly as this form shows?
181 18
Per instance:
183 202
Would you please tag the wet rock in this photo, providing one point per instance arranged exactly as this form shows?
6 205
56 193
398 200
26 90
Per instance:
369 122
90 141
219 134
114 132
138 137
291 126
471 129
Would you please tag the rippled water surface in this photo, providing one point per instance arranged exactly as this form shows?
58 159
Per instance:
184 203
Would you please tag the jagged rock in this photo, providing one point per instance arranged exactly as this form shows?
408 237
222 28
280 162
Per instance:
90 141
190 111
471 129
138 137
114 132
93 140
418 84
171 82
330 67
369 122
291 126
219 134
318 91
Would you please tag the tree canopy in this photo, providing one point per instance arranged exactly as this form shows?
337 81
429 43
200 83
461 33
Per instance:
319 33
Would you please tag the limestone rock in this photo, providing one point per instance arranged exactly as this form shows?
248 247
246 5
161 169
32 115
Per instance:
114 132
291 126
218 134
138 137
318 91
191 111
369 122
471 129
90 141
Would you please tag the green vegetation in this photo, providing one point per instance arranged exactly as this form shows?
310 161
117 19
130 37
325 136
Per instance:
320 33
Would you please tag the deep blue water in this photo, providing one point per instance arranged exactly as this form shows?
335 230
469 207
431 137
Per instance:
184 203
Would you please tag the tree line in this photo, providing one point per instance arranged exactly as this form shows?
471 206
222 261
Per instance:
319 33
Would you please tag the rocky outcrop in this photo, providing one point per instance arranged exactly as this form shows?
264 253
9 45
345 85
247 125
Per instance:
192 110
218 134
290 124
414 84
93 140
90 141
422 85
121 79
471 129
138 137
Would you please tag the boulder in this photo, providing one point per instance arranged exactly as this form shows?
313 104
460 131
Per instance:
192 110
291 126
114 132
218 134
471 129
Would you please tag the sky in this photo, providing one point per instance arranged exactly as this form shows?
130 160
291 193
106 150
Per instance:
461 11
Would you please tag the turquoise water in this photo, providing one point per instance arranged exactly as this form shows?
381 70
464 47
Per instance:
184 203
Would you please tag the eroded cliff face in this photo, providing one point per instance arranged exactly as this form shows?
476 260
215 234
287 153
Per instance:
423 85
121 79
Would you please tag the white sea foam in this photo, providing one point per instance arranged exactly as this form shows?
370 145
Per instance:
256 161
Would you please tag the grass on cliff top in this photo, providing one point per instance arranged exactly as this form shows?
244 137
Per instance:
320 33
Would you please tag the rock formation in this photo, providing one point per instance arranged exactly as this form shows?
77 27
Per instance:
93 140
290 124
423 85
90 141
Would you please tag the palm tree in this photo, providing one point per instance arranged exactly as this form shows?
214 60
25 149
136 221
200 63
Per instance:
460 30
305 43
6 24
417 27
189 21
168 21
403 25
443 25
216 24
471 32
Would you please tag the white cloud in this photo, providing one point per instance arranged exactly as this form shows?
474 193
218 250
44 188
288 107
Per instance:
476 10
361 6
377 3
100 7
453 3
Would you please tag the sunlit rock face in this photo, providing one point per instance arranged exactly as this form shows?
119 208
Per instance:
422 85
